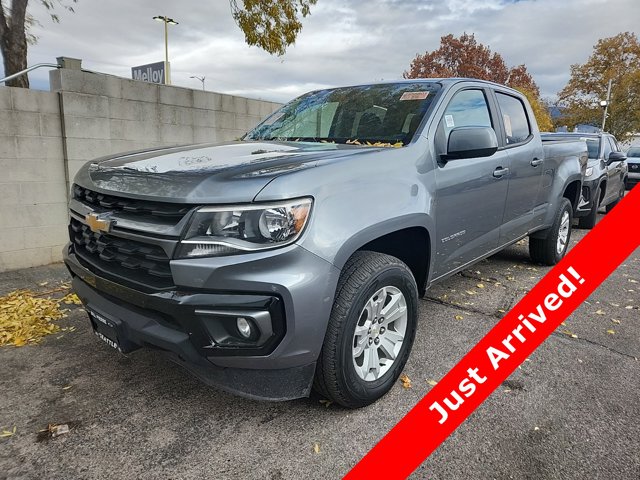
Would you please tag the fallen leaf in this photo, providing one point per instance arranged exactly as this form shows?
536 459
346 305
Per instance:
507 390
599 312
629 307
617 322
8 433
406 381
459 317
67 387
536 429
611 332
570 334
326 403
633 281
42 284
480 285
433 383
470 292
316 447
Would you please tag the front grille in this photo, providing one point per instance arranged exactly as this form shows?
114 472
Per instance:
634 166
128 205
121 259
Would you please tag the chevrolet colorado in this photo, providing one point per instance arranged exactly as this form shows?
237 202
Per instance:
294 258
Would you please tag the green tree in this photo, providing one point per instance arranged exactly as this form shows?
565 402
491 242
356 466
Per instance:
465 57
272 25
617 59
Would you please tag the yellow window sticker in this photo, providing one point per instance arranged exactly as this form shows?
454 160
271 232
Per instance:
414 96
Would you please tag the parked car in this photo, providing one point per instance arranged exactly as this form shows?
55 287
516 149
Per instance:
295 257
633 162
605 177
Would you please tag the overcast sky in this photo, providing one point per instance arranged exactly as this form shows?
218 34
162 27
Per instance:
342 42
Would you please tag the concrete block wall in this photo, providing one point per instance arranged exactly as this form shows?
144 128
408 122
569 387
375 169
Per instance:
33 187
45 137
104 114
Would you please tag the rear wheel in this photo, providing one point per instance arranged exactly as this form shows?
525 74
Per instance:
550 249
589 221
370 332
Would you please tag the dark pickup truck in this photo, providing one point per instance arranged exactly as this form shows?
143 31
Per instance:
295 257
604 180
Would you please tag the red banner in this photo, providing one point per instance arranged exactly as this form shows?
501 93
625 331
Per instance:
505 347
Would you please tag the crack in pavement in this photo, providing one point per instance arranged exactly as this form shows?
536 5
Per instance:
498 314
594 343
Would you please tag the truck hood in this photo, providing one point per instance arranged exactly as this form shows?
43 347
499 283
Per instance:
207 173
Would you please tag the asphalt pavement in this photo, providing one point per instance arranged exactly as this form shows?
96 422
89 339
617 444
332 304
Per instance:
572 411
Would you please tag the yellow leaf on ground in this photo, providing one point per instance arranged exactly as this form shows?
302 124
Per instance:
459 317
480 285
599 312
316 447
433 383
406 381
611 332
8 433
617 322
25 318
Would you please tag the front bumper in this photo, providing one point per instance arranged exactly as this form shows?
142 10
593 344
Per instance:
633 177
294 286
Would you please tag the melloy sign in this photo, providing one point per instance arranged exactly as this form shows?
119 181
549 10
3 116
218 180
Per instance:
152 72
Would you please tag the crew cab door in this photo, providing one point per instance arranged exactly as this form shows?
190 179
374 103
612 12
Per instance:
470 192
526 157
616 171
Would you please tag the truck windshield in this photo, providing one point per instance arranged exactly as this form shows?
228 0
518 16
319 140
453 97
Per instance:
381 115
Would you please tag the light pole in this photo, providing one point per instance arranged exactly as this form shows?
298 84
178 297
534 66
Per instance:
199 78
605 105
167 21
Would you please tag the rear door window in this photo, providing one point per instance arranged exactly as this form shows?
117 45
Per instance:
514 116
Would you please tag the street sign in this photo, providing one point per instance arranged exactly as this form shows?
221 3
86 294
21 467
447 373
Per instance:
152 72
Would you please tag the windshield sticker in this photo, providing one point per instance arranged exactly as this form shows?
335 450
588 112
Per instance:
507 125
273 118
449 121
414 96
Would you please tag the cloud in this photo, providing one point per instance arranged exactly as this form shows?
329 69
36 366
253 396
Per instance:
341 42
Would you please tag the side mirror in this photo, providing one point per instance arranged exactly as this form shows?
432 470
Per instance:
470 142
616 157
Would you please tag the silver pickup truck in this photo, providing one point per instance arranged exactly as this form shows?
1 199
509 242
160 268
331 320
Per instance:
294 258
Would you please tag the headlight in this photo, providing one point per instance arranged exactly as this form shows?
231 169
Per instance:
217 231
588 172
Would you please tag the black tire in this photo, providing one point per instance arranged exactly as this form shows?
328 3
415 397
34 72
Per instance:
589 221
615 202
364 274
544 249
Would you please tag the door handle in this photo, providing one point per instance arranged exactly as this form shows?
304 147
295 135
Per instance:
536 161
499 172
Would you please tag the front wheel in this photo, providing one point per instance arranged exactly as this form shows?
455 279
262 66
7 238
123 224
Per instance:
589 221
550 248
370 332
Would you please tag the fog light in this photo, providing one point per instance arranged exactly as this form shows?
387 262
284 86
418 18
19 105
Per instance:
244 327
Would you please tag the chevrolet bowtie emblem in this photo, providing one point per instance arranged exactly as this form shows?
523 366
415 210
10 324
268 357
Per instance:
99 222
